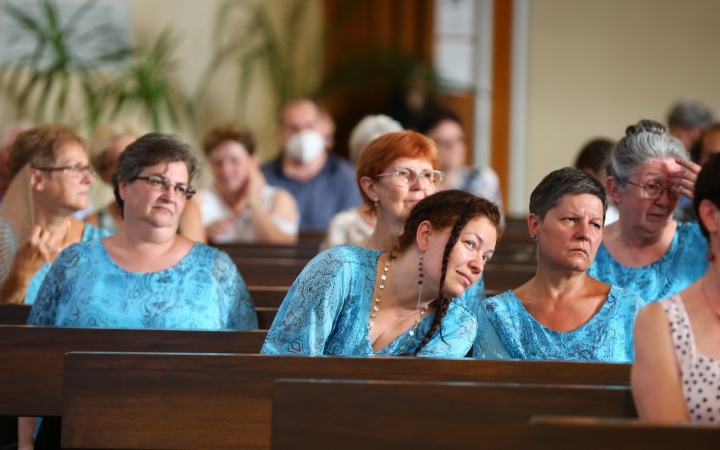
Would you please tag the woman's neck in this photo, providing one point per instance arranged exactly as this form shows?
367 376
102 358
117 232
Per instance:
385 232
49 220
634 236
402 281
140 236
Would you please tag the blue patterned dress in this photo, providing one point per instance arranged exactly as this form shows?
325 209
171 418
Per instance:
89 233
684 262
85 288
326 312
507 331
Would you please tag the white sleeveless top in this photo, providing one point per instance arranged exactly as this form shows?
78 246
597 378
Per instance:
212 209
700 374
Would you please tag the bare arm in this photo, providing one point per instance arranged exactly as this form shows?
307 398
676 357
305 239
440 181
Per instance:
26 428
284 206
191 225
655 377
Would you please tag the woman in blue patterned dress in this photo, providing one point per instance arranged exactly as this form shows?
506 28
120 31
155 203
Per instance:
147 276
356 301
646 251
561 313
53 157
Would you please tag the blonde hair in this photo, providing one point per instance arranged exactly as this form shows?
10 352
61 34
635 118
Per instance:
105 134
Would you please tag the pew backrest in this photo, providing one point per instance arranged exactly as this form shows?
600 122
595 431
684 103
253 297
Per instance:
593 433
31 358
181 394
309 414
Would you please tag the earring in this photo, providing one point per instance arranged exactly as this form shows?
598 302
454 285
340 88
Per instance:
534 236
710 255
420 279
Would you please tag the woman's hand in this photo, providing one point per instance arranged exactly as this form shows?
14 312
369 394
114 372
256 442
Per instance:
256 183
32 254
217 230
682 182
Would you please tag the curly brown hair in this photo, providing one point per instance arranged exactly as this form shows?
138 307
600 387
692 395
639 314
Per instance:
231 131
445 209
40 145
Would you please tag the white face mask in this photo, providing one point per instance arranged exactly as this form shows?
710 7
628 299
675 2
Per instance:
305 146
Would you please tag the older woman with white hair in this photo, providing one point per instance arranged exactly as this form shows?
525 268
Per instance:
354 225
646 251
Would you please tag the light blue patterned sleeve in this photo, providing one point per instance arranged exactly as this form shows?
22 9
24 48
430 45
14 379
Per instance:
459 327
473 295
237 307
307 316
487 343
54 287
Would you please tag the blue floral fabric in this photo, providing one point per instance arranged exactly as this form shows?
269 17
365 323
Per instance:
507 331
683 263
89 233
85 288
326 312
472 297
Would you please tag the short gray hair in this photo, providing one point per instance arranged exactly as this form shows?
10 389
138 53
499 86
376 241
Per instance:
369 129
690 114
561 182
148 150
643 142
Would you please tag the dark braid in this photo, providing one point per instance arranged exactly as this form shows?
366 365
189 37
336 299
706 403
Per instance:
445 209
442 303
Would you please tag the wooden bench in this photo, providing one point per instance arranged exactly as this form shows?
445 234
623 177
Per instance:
269 251
268 296
592 433
18 314
269 271
219 401
310 414
31 358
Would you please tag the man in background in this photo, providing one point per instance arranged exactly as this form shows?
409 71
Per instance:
321 182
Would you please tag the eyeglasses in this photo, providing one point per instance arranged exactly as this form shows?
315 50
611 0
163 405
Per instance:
162 184
76 170
655 190
406 176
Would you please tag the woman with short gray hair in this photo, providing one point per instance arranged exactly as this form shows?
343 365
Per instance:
562 313
646 251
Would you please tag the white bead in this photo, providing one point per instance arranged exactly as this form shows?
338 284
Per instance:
411 333
384 277
376 308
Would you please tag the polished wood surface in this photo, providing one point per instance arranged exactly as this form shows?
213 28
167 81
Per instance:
593 433
31 358
225 401
310 414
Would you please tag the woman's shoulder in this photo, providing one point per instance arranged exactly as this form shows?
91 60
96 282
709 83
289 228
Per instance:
346 217
625 298
351 254
503 300
689 232
91 232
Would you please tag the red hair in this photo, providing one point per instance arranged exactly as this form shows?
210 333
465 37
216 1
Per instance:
381 152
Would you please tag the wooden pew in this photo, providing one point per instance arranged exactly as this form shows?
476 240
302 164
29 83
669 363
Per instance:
592 433
269 251
31 358
218 401
268 296
501 277
269 271
310 414
18 314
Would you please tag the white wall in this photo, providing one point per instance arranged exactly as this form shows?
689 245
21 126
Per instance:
596 66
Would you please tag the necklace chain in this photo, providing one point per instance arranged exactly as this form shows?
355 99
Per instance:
376 304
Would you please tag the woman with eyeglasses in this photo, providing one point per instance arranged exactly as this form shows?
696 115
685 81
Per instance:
59 180
108 141
358 301
646 251
147 276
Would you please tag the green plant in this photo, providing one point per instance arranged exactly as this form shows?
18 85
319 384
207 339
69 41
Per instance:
52 71
146 85
252 44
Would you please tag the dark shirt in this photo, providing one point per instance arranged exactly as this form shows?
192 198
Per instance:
320 198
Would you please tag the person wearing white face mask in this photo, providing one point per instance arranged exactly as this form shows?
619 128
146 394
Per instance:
321 182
